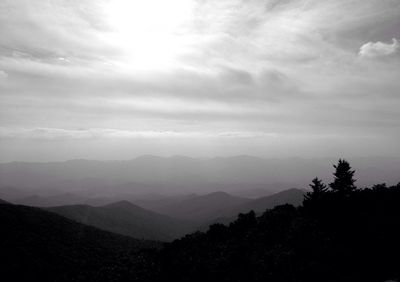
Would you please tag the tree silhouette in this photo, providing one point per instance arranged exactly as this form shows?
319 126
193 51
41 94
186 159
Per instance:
344 181
244 221
318 189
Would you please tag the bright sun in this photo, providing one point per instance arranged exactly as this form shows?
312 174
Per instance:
148 32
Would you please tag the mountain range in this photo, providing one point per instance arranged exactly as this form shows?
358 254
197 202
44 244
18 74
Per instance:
215 205
127 219
173 220
181 175
167 218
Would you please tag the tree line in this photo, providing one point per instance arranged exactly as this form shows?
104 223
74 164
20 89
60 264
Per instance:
340 233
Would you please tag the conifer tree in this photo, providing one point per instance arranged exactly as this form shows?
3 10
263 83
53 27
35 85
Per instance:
318 189
343 182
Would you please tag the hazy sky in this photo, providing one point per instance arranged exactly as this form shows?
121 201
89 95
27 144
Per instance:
113 79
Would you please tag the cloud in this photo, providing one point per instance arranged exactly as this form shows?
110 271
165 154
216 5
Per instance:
73 28
240 68
43 133
108 133
220 84
379 49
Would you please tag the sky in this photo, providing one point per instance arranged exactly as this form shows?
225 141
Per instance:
115 79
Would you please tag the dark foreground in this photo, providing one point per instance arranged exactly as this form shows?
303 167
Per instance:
339 234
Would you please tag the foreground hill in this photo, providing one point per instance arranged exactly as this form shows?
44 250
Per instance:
38 245
128 219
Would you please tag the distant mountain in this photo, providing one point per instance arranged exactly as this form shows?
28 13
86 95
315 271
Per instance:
184 175
252 193
221 206
291 196
128 219
147 201
10 194
203 208
50 201
157 203
37 245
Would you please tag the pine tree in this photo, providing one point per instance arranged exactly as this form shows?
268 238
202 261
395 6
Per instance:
343 182
318 189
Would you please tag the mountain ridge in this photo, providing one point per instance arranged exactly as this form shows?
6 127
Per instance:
128 219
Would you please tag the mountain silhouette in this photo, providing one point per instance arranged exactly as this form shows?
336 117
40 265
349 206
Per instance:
128 219
50 201
203 208
178 174
223 207
291 196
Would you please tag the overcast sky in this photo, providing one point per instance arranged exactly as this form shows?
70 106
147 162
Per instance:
114 79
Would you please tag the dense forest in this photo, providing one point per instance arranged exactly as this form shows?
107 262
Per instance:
341 233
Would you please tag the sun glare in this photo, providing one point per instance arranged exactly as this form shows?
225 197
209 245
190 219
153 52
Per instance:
149 33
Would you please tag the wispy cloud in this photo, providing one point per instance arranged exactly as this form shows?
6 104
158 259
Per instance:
106 133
